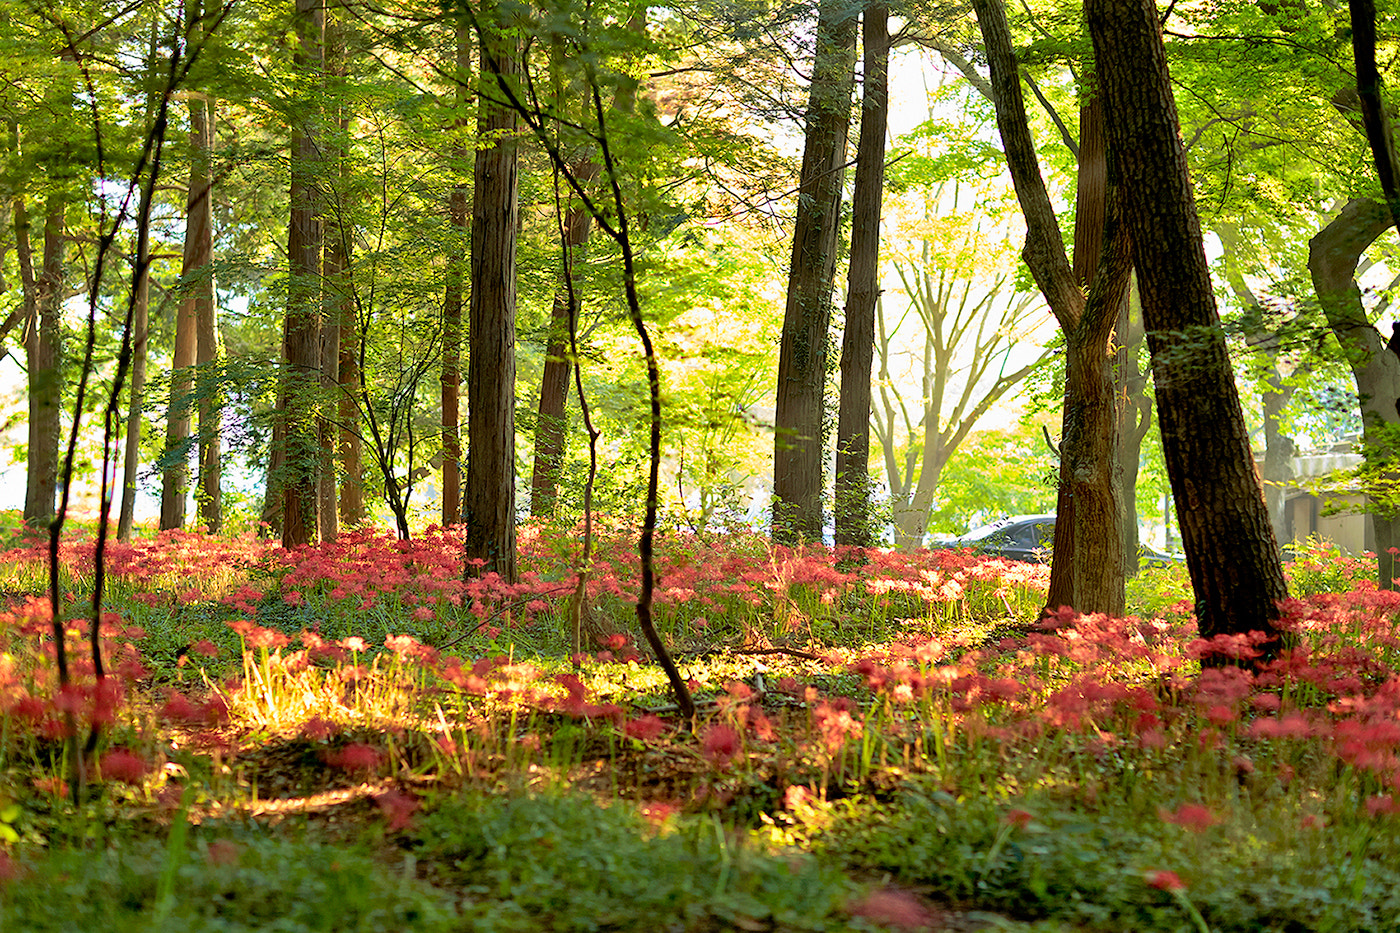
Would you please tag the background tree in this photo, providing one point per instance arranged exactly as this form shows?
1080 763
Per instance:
799 453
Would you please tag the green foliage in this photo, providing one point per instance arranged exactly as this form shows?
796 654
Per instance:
995 473
240 884
561 862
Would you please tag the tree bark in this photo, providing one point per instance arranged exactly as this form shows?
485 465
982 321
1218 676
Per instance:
301 335
1333 255
489 504
200 228
1087 573
44 355
854 519
457 272
131 455
1230 549
799 461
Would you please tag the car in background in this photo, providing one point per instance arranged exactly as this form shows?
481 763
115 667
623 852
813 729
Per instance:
1030 538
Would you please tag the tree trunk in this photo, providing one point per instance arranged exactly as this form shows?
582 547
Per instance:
335 268
1333 255
44 355
1134 419
301 342
1087 573
855 521
489 506
1230 547
457 272
551 424
799 454
131 456
199 249
197 285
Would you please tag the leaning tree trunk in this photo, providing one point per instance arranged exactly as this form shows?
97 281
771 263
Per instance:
799 450
1087 573
1230 548
1333 255
489 504
854 517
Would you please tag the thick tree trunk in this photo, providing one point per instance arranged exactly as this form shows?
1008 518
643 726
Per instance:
1230 547
301 335
854 517
1087 573
1333 255
489 505
44 354
799 455
335 269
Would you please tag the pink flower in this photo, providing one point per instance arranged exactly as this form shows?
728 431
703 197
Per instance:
1165 881
353 757
1380 805
398 808
721 744
1018 818
205 647
1191 816
647 728
123 765
222 852
890 907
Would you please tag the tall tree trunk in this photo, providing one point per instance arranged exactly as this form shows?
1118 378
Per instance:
44 354
131 457
489 506
1134 419
335 263
799 449
199 250
457 272
1230 548
195 279
350 495
1088 570
1333 255
854 518
301 343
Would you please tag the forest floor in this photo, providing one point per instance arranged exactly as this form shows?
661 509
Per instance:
352 737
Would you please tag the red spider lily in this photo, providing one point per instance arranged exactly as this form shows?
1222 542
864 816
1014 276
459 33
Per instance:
353 757
1020 819
124 766
892 908
1190 816
646 728
720 745
1165 881
398 808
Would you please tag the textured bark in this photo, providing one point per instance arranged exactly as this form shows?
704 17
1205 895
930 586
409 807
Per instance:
200 227
1230 549
1134 405
551 424
131 456
335 269
489 504
799 447
1333 255
44 356
854 521
451 376
198 290
1088 569
301 343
